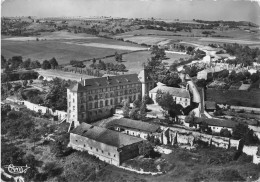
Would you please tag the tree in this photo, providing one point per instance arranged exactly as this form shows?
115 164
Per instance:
241 131
191 119
121 67
53 62
133 114
137 103
225 132
94 60
142 111
46 65
26 63
3 62
25 83
204 127
15 62
31 81
201 83
126 108
35 64
157 52
254 77
145 149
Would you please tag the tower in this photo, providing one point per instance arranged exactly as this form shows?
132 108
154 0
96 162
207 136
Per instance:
146 80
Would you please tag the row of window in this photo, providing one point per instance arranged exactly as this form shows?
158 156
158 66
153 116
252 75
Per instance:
97 150
101 90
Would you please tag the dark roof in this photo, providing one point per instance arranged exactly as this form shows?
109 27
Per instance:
135 125
217 122
105 82
210 105
105 136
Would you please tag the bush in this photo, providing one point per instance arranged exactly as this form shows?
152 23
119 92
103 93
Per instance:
230 175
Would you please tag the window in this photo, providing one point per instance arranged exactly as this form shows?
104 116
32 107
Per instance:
91 148
84 145
73 100
100 96
73 108
69 96
76 140
102 151
111 94
101 103
126 92
121 92
96 97
90 113
115 155
90 106
111 102
82 116
69 111
69 104
90 98
82 108
97 150
130 91
96 104
108 153
106 102
186 100
106 95
116 93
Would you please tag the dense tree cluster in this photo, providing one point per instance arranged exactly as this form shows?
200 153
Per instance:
244 54
21 75
108 66
78 64
57 96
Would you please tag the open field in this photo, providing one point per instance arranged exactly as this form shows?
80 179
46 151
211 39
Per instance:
63 75
64 52
134 61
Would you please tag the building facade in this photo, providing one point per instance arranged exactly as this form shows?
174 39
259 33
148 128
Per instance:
109 146
93 99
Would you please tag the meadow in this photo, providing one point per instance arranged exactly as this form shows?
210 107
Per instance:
56 45
134 61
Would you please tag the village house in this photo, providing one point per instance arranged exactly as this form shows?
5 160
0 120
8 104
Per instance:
216 125
210 106
206 73
135 128
97 98
180 95
109 146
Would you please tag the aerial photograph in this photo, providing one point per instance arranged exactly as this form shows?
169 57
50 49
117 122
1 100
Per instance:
130 90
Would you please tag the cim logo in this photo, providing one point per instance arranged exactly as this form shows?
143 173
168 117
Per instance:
16 169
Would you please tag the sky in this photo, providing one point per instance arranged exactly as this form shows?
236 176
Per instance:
237 10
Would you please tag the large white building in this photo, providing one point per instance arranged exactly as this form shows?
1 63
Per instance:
180 95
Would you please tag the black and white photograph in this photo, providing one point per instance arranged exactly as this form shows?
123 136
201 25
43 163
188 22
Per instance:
130 90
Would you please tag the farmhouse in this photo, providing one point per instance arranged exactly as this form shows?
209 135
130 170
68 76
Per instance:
135 128
180 95
210 106
96 98
216 124
109 146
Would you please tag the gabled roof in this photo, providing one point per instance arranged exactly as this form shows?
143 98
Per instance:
105 136
134 124
76 87
105 82
178 92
